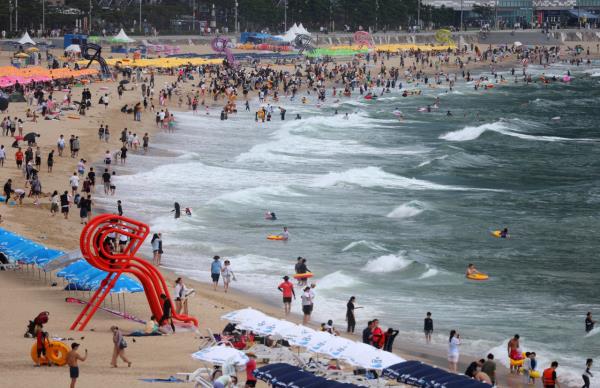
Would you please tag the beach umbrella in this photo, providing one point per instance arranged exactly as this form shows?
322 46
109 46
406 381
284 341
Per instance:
21 55
518 44
239 316
220 355
366 356
63 260
264 325
124 82
32 49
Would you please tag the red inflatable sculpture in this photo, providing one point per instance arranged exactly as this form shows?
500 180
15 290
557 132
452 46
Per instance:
97 248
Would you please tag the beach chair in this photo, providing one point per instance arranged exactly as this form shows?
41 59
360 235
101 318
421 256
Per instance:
200 377
213 340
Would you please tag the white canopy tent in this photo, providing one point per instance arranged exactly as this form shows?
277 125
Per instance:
294 30
122 37
26 39
73 48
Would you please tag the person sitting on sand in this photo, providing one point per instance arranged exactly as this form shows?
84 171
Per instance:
151 329
471 270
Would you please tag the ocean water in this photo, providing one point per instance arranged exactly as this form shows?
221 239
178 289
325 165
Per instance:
392 211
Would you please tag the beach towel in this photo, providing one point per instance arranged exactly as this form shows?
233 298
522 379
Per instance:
171 379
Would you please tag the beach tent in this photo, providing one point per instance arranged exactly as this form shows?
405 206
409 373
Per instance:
302 30
26 39
121 37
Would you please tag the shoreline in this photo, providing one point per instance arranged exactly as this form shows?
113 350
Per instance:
62 239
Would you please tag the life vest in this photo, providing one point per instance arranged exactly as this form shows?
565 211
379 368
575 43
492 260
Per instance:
548 378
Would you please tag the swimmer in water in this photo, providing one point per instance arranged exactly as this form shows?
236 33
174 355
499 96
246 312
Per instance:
346 117
285 234
298 117
504 233
449 113
177 210
471 270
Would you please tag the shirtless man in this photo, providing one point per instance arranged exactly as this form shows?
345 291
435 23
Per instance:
471 270
514 351
72 358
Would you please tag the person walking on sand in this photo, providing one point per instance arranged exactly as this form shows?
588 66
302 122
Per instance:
453 350
72 358
215 271
119 347
287 289
428 327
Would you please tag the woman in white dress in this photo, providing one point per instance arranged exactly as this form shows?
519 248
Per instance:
453 351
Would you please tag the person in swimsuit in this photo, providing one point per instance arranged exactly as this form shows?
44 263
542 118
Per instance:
72 358
471 270
514 351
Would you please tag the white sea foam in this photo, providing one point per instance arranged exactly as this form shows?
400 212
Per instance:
357 245
429 161
376 177
472 133
431 272
336 279
257 195
387 263
501 127
408 210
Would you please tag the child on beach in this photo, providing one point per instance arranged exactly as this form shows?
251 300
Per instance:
72 358
227 274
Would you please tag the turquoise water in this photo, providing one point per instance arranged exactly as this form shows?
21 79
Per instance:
392 211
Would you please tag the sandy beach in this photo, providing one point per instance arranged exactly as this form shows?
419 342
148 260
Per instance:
25 295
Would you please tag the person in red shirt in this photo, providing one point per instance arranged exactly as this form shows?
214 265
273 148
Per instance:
19 158
250 367
287 288
377 337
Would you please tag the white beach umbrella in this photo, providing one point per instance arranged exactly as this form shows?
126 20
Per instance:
318 341
242 315
220 355
368 357
336 346
518 44
296 334
264 325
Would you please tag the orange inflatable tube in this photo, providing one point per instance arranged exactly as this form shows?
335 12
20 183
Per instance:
56 353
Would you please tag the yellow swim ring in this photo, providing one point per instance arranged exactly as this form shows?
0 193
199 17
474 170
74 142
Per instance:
478 276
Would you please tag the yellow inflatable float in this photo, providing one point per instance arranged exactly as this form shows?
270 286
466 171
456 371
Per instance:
478 276
275 237
56 353
496 233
